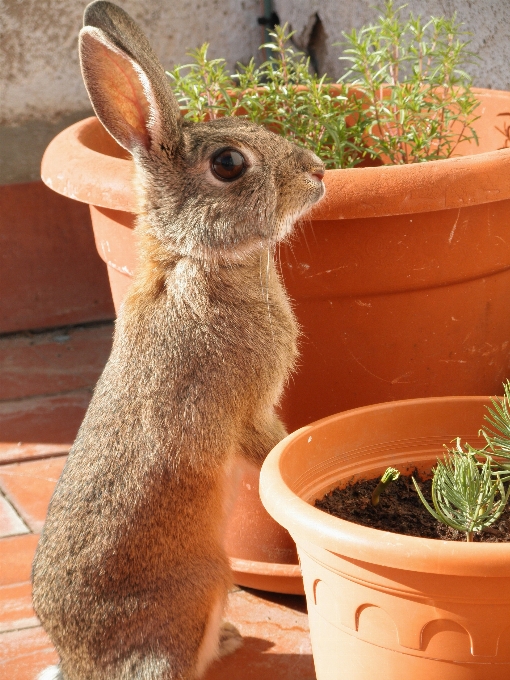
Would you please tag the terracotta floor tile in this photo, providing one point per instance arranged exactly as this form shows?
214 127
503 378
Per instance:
16 555
16 610
57 361
14 452
25 653
29 487
11 523
54 419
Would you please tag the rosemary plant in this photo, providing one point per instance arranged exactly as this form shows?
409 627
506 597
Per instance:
282 93
466 494
390 475
417 97
405 98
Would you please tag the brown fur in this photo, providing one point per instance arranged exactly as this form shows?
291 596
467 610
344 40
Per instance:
130 572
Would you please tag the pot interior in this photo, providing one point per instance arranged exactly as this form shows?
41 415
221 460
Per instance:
362 443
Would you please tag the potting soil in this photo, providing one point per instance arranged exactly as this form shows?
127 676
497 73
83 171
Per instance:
401 511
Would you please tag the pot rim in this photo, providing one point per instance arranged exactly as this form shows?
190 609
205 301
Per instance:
78 171
306 523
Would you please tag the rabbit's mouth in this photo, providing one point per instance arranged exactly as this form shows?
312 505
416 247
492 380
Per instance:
287 223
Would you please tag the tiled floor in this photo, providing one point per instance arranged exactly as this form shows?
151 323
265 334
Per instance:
45 385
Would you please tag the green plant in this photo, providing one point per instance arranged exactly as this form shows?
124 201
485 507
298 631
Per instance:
282 93
497 434
467 496
409 99
389 475
416 95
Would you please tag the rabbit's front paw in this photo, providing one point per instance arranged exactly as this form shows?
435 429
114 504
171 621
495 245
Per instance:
230 639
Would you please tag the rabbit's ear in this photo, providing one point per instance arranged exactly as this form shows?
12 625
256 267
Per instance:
126 84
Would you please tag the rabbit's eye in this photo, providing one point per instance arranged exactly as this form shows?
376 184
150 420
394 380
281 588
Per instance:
228 165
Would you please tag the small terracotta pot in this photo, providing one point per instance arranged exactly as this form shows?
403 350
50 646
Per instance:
383 605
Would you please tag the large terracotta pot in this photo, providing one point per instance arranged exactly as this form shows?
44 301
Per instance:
401 282
383 605
401 279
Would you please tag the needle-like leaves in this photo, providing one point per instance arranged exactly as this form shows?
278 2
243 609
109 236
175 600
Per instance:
498 433
467 496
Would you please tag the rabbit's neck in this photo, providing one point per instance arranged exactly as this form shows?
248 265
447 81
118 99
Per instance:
160 269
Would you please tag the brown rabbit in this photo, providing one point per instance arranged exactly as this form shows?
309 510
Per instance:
130 576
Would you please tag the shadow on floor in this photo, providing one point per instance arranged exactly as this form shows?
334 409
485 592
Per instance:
255 661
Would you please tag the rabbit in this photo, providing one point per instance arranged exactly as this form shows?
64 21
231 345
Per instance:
130 576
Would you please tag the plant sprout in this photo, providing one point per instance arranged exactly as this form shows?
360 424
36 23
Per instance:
416 95
467 496
390 475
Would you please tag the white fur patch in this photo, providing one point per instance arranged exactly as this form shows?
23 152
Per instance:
50 673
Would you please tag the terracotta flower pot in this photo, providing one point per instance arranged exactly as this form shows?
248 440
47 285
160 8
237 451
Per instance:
401 279
383 605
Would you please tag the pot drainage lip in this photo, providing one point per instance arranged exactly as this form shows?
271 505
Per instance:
265 568
268 576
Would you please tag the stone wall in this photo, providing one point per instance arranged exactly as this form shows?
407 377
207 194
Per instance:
320 23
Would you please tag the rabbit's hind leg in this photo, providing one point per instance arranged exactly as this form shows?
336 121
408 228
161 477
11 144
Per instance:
230 639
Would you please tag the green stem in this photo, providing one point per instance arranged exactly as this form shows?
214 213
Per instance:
390 475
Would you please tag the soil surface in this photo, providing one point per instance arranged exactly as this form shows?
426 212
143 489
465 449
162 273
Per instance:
401 511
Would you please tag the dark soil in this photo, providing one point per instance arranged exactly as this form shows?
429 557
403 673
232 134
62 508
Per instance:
401 511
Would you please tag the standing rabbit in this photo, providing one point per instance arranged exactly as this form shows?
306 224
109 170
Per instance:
130 576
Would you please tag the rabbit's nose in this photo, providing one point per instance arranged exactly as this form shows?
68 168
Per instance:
318 173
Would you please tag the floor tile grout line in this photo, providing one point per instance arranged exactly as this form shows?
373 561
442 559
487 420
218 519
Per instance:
16 628
29 459
18 583
62 393
7 497
27 333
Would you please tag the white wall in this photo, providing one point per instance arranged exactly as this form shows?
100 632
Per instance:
39 68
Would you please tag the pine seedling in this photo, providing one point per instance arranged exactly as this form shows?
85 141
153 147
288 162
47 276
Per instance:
390 475
498 434
466 495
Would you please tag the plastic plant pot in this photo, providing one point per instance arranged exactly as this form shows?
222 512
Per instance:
384 605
